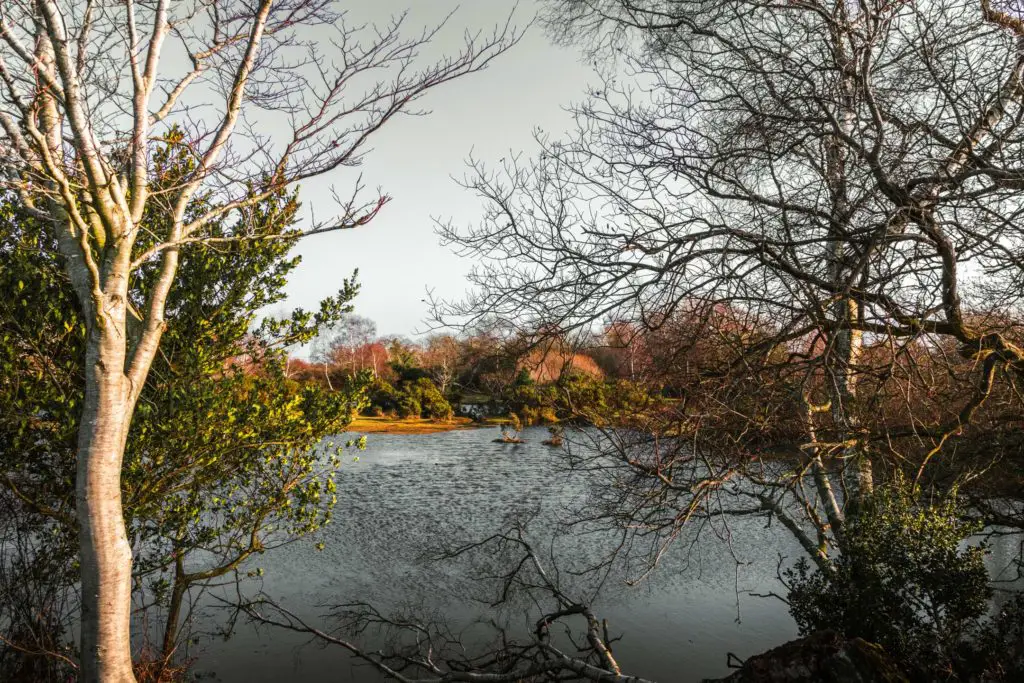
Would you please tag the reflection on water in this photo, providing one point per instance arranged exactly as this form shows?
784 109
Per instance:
408 493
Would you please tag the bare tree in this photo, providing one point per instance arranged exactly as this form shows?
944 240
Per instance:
821 197
441 357
91 91
348 338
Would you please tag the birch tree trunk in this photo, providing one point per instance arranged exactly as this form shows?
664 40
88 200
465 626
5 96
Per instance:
106 557
116 365
846 340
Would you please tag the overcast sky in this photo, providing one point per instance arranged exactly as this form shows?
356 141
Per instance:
413 160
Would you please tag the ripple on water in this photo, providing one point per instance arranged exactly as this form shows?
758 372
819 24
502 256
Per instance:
408 494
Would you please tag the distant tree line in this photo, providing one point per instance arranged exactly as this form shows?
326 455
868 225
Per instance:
496 372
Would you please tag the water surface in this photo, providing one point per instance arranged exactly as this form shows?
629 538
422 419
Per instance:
408 494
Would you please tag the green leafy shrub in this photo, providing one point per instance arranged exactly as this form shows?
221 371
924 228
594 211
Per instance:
383 398
905 580
433 405
226 456
409 406
419 397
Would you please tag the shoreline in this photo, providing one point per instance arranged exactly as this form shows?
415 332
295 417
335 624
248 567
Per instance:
389 425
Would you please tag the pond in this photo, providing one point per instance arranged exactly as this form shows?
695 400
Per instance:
408 494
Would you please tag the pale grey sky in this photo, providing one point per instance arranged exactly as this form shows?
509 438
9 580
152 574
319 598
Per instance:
413 159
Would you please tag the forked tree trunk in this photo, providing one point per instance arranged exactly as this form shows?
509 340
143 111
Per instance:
106 557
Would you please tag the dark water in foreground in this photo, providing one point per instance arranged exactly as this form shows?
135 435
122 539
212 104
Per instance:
408 491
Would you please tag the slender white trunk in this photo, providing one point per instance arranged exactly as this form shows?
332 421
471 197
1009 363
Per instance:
846 342
847 346
106 557
822 483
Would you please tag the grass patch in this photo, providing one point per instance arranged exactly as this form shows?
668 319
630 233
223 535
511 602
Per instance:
393 425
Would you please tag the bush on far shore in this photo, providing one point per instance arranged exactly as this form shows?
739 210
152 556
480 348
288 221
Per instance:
409 399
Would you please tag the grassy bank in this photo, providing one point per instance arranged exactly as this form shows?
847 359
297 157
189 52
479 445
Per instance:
391 425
